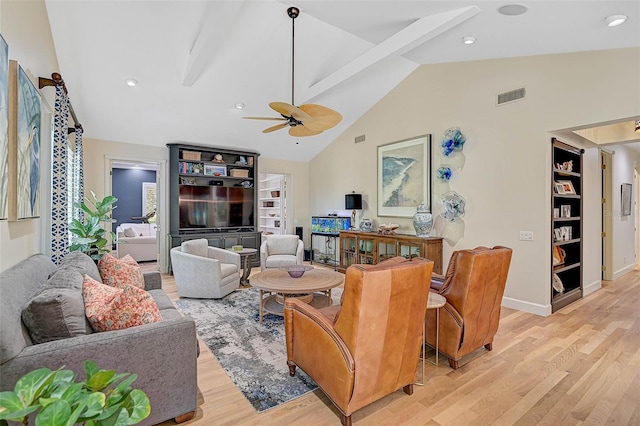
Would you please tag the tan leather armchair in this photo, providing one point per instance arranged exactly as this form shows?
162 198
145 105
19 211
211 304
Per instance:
473 286
369 346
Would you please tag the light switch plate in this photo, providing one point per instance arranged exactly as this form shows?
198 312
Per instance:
526 236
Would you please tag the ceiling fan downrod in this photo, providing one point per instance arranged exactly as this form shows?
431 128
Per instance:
293 13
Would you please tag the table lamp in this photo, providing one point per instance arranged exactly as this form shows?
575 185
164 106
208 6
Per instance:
353 202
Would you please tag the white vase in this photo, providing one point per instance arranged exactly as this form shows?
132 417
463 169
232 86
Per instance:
422 221
366 225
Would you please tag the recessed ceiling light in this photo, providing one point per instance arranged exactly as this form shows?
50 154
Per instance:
468 40
131 82
615 20
239 105
512 9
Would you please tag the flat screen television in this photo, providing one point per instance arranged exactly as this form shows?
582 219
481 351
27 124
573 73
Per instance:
215 207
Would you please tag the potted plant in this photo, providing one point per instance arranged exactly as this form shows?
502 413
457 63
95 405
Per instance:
90 237
104 397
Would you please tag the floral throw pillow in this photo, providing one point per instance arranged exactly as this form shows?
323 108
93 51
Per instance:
111 308
118 272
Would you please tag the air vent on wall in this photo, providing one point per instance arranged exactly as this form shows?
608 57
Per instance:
359 139
511 96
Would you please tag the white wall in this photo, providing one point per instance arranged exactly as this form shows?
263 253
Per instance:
25 27
624 162
506 177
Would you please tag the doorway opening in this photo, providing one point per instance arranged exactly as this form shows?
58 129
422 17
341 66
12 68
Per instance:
137 185
606 165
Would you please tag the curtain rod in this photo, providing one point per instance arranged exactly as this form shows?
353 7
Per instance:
56 80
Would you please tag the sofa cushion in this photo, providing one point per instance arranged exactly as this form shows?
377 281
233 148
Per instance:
120 272
110 308
196 247
129 232
282 244
82 263
57 312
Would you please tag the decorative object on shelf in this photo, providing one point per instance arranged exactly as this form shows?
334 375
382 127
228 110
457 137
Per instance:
388 228
242 173
444 173
556 213
237 248
353 202
452 141
566 166
218 158
452 206
296 271
564 233
558 255
242 161
565 210
557 284
272 215
246 184
276 224
404 176
275 194
422 221
191 155
366 225
626 199
565 187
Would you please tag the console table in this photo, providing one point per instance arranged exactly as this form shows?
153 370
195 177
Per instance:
372 248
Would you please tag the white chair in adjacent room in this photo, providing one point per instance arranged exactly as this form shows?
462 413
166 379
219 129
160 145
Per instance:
204 272
277 251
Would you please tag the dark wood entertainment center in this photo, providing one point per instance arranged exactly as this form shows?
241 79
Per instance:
220 185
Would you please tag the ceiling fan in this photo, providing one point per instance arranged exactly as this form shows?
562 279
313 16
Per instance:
307 119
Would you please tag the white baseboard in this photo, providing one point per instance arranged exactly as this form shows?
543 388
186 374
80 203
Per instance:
620 272
532 308
590 288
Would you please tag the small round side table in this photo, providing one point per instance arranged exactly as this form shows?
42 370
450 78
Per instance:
435 301
245 261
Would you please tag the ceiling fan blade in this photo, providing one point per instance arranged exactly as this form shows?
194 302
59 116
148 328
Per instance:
274 128
264 118
323 118
289 110
301 131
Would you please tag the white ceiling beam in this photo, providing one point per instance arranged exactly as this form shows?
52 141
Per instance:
212 34
403 41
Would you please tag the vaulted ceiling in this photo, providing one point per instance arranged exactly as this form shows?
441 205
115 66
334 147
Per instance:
194 60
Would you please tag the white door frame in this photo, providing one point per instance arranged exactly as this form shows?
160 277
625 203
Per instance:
161 195
606 160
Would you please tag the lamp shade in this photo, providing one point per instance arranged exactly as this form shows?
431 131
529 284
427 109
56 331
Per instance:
353 202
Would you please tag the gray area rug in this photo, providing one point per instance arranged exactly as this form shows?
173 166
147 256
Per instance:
253 355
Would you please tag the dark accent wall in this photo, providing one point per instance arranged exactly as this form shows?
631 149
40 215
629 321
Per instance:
126 186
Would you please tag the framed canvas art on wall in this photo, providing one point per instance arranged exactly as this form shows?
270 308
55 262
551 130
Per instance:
24 145
4 129
404 176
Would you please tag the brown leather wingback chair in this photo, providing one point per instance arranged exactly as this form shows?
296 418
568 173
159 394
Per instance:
369 347
473 286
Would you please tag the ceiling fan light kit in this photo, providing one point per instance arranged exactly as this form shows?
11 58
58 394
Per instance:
307 119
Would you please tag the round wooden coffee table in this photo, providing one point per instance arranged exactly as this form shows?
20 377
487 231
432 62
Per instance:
276 285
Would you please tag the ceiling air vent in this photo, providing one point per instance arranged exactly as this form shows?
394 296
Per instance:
359 139
511 96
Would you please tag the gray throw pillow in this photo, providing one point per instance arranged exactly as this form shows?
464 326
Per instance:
81 263
129 232
57 312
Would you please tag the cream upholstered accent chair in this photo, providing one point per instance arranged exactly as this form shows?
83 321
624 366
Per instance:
204 272
277 251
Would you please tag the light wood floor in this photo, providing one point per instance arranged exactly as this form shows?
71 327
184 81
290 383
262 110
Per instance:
580 365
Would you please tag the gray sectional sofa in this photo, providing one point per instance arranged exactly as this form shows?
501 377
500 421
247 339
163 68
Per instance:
162 354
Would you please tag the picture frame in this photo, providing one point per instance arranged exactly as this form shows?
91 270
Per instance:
626 194
148 197
404 176
556 213
24 146
558 188
211 170
4 129
567 187
565 211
